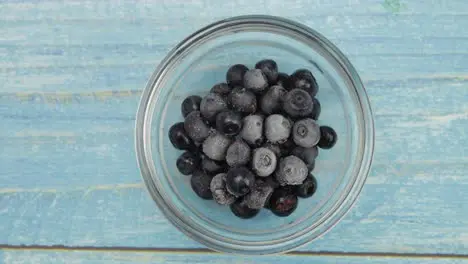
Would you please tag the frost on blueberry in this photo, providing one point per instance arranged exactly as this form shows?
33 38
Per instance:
238 153
211 105
277 128
216 145
242 100
195 127
252 130
269 68
297 103
255 80
291 171
259 195
271 101
263 162
306 133
219 191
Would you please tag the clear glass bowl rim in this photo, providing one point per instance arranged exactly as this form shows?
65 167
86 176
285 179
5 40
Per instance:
143 134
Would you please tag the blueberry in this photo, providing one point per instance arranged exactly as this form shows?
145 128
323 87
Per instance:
303 79
297 103
287 147
283 202
229 123
238 153
282 79
239 181
317 109
221 88
271 180
291 171
271 101
259 195
307 188
252 130
188 162
190 104
211 105
328 137
216 145
219 191
277 128
263 162
242 100
308 155
235 75
306 133
213 166
180 138
200 183
196 127
269 68
241 210
255 80
273 147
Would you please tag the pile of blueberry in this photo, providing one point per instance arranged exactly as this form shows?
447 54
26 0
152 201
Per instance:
251 143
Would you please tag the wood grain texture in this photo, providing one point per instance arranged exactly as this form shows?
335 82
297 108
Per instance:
70 77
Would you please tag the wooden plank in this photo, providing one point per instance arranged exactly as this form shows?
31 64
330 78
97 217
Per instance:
170 257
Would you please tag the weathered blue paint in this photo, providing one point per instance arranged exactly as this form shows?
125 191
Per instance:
70 78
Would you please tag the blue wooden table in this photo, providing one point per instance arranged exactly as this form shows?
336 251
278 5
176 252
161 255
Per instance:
71 73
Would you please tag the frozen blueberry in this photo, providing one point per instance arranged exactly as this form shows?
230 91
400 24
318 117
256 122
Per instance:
269 68
200 183
229 123
190 104
252 130
255 80
242 100
291 171
328 137
238 153
298 102
221 88
303 79
307 188
235 75
263 162
188 162
216 145
259 195
308 155
287 147
241 210
273 147
219 191
277 128
282 79
271 102
213 166
180 138
195 127
317 109
271 180
211 105
283 202
306 133
239 181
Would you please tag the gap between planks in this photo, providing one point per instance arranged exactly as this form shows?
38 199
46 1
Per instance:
208 251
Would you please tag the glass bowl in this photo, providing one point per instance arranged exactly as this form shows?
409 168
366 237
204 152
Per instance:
200 61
